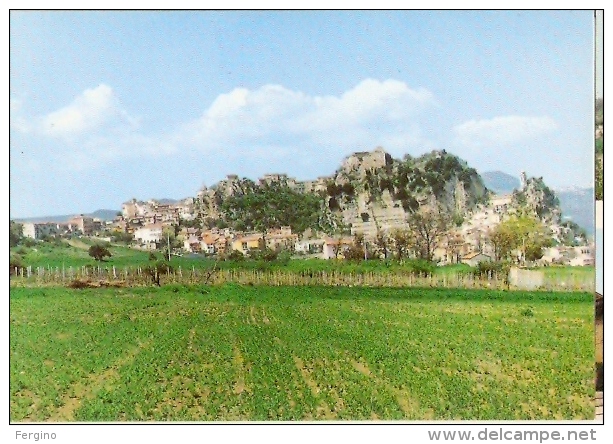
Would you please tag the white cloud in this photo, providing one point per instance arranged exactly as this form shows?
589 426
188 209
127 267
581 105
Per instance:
502 131
271 122
274 115
88 112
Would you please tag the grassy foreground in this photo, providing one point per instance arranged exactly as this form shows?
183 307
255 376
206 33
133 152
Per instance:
299 353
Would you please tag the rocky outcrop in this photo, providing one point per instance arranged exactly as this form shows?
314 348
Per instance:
372 192
375 192
538 199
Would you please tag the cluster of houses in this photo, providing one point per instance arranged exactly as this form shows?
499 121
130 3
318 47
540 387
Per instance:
468 244
80 224
215 241
150 224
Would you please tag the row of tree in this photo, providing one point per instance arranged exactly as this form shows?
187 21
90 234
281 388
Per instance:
521 237
426 229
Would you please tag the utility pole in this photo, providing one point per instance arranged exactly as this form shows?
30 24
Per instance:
168 246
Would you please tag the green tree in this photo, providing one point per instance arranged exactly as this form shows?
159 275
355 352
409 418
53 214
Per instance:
402 241
357 251
15 233
271 205
428 227
382 244
98 252
503 240
120 236
533 252
191 223
524 233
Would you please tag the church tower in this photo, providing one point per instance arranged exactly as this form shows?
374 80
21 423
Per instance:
523 181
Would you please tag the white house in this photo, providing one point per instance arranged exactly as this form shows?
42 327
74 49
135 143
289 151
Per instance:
584 256
206 247
149 234
308 246
41 229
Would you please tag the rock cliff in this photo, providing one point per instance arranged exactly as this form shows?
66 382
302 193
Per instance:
372 191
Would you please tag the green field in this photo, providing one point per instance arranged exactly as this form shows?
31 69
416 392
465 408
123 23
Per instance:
76 255
229 352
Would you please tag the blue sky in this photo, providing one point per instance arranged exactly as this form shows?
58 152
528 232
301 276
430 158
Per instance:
106 106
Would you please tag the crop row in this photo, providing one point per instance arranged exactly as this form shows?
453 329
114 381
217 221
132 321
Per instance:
236 352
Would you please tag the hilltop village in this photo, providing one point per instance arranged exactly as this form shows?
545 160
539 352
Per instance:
371 199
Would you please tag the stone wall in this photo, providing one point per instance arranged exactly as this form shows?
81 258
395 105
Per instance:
526 279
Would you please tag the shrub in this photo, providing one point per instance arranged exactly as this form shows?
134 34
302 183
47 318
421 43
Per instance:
421 266
266 255
28 242
284 257
122 237
269 255
99 252
485 269
21 251
79 284
235 255
262 265
527 313
156 270
16 264
354 253
54 241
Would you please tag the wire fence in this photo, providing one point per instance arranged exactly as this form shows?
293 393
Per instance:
141 276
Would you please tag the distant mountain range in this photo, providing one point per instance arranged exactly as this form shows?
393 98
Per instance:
575 203
100 214
499 182
578 204
167 201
